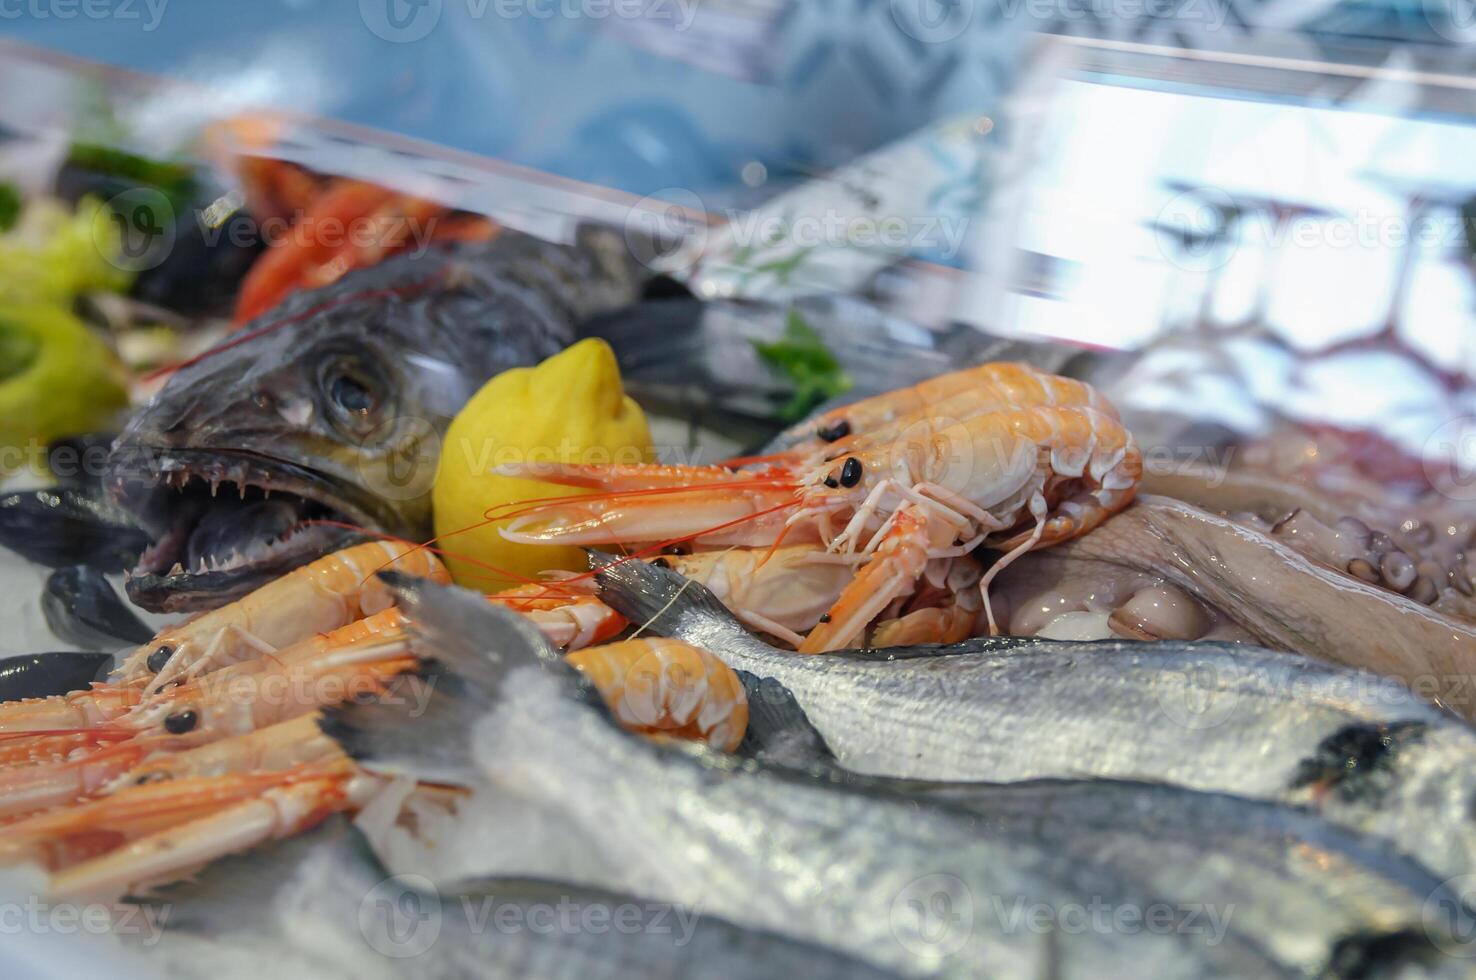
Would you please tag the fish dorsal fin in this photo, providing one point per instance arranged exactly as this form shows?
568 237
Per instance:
779 732
654 598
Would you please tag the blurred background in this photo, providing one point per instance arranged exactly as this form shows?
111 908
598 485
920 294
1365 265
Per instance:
1275 196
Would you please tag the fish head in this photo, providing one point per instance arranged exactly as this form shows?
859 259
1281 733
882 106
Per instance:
264 455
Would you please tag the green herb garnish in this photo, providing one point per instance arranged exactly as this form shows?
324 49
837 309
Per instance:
176 181
802 358
10 206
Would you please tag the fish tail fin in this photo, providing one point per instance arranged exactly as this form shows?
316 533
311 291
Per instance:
474 638
421 726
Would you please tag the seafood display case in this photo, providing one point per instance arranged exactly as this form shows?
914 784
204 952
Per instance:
960 492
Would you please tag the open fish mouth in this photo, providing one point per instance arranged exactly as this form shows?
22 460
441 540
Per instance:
224 523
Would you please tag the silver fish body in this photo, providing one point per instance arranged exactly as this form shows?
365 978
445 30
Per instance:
1360 748
321 904
1308 891
945 887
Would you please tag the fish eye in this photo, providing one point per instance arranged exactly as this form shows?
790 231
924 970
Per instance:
159 659
180 723
351 394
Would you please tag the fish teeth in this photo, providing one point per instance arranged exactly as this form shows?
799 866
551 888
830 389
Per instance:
242 488
214 487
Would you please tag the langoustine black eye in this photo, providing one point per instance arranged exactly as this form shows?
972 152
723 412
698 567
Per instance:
850 472
183 722
159 659
839 430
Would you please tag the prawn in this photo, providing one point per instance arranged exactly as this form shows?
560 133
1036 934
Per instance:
149 835
658 686
154 758
319 597
1012 480
31 726
276 747
956 396
96 705
235 701
566 610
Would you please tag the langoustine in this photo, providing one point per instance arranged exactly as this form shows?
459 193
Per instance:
782 592
325 595
234 701
212 817
1013 479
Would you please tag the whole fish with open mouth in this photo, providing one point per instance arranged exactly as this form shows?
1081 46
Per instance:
331 408
1361 749
321 904
856 868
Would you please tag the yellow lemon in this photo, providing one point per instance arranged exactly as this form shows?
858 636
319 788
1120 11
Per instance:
571 408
